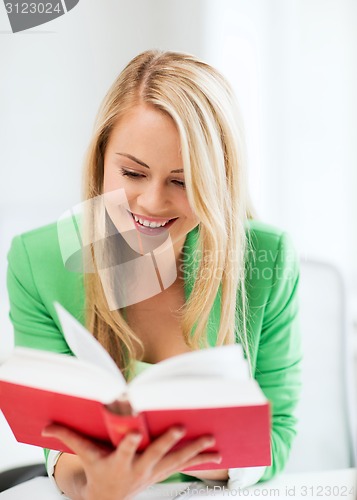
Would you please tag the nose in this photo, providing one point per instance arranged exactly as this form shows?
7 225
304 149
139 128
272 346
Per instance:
154 198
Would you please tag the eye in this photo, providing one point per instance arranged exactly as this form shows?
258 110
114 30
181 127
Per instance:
129 173
181 184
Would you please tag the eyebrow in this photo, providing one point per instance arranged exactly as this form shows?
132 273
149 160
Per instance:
131 157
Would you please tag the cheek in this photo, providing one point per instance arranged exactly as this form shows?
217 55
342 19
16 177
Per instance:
115 182
112 180
188 212
109 181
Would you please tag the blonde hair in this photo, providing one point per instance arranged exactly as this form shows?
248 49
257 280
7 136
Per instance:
202 105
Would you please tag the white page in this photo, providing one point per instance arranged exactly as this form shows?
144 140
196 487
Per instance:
189 393
84 346
70 375
225 362
64 374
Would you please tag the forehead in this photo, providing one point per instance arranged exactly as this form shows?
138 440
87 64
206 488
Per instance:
147 133
145 120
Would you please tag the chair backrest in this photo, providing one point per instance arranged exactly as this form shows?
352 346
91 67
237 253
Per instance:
325 437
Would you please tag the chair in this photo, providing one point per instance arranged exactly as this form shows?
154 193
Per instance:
13 477
326 432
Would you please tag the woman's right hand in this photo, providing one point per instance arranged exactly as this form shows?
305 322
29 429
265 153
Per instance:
123 473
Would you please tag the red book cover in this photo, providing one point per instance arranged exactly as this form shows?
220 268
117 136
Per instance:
241 433
208 391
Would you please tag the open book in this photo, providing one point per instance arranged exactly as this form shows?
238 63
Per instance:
208 391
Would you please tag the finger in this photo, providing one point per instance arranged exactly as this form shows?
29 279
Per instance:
208 459
159 448
127 447
176 459
202 458
86 449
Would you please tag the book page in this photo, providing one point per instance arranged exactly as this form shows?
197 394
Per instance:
188 393
223 362
60 373
84 346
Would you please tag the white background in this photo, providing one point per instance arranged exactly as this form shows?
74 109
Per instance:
292 64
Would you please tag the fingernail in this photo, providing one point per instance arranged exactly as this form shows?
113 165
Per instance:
210 441
218 460
46 433
179 432
135 437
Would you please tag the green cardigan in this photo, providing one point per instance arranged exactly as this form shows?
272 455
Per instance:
37 277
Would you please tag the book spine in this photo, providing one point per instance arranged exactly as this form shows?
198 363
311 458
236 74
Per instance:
119 425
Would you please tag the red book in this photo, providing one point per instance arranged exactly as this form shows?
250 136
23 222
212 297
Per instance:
208 391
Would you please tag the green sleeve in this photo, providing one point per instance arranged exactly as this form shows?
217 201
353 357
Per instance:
33 326
278 367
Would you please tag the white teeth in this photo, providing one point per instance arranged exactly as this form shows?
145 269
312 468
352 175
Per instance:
147 223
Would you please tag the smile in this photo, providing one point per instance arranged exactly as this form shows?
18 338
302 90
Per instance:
147 223
152 225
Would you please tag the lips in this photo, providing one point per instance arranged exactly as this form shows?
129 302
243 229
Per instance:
156 220
152 230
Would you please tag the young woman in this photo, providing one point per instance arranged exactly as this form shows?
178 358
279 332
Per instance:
168 138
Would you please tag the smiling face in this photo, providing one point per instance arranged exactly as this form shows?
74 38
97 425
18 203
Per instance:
143 158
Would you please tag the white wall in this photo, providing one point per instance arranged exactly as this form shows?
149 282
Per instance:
236 35
318 158
293 64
